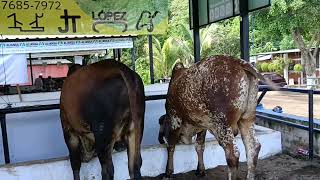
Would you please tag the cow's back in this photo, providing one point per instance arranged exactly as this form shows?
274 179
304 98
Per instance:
96 94
211 89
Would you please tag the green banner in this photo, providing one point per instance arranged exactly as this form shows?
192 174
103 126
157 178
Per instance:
85 17
211 11
257 4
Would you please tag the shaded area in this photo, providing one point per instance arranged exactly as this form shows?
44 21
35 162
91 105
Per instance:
277 167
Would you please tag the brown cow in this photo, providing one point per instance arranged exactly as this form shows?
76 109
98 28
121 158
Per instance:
218 94
102 104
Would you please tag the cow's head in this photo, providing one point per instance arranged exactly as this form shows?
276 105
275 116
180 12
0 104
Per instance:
165 127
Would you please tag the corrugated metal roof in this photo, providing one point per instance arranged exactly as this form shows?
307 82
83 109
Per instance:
264 57
280 52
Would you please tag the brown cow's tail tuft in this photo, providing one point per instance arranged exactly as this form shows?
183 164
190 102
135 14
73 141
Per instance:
253 71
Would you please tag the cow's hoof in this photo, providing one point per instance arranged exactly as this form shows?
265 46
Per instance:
200 173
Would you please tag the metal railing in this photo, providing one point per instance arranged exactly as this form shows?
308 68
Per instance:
262 88
13 110
310 128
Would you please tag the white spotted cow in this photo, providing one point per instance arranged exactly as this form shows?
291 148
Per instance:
218 94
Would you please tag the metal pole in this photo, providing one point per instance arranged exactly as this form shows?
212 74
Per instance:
119 54
244 30
196 34
311 124
31 70
106 56
252 19
114 54
5 138
133 57
261 96
151 59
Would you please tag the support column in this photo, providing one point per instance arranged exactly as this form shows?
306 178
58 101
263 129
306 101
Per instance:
196 34
31 70
286 68
151 59
244 30
311 124
114 54
5 138
119 54
133 57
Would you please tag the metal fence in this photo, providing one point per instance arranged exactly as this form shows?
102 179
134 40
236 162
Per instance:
264 90
310 128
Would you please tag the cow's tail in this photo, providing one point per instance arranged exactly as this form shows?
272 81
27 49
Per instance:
133 86
253 71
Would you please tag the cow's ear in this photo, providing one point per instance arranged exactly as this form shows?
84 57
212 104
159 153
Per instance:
178 66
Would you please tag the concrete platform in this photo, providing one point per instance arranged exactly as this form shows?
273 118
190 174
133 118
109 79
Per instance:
154 160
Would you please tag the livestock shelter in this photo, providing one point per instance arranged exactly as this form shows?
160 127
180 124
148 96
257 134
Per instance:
45 50
32 143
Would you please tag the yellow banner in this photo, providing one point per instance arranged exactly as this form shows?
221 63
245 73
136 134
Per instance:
83 17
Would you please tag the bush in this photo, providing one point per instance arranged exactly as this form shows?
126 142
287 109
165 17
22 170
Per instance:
272 67
264 67
298 68
280 63
258 66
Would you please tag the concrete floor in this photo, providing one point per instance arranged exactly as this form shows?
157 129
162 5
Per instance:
291 102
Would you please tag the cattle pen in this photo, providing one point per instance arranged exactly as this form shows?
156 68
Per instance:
153 165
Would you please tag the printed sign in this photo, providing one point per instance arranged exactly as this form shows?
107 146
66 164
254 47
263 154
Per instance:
14 69
69 17
64 45
211 11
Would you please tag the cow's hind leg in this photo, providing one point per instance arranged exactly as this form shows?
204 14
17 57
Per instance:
172 141
225 137
133 151
104 152
104 147
200 145
74 145
251 143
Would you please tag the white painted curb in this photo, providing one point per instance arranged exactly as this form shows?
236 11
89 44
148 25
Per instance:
154 161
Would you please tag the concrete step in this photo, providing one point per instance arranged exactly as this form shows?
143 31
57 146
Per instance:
154 160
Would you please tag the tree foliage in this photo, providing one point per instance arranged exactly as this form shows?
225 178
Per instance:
165 56
296 18
265 67
287 24
298 68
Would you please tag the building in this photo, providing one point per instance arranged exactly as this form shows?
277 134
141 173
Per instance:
56 68
293 54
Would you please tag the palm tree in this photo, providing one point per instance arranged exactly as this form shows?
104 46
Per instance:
165 56
186 43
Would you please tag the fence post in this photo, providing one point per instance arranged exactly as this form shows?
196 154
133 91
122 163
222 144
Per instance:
261 96
5 138
310 93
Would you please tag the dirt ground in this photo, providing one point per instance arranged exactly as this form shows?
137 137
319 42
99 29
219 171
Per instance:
291 103
282 167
